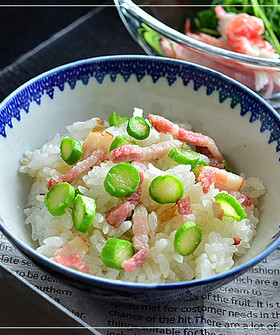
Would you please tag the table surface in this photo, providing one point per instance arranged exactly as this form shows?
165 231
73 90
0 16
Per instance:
39 39
46 37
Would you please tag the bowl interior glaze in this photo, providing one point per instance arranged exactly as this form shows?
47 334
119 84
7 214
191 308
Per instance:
243 125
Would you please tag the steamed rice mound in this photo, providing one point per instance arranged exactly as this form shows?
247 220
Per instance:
215 254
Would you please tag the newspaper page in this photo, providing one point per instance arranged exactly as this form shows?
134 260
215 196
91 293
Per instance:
249 304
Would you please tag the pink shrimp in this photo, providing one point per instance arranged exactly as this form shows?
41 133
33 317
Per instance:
231 68
140 239
117 215
222 179
163 125
217 42
244 33
127 153
72 253
240 33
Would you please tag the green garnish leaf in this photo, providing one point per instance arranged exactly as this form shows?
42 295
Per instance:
152 38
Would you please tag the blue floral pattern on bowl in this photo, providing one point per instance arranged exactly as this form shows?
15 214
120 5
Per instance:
140 68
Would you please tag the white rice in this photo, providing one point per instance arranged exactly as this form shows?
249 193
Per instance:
215 254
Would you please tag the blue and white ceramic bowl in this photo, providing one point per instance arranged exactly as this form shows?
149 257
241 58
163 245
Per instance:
245 127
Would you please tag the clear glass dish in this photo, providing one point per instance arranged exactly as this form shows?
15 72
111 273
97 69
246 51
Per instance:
152 25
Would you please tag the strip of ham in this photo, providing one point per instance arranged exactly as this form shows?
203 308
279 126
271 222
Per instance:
95 147
247 201
165 126
72 253
207 178
236 240
82 166
217 165
204 151
184 206
79 168
128 153
118 214
140 229
222 179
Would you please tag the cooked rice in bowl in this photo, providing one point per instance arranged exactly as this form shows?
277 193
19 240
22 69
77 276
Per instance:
223 237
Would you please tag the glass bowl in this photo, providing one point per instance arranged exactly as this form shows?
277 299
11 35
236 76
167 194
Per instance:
152 25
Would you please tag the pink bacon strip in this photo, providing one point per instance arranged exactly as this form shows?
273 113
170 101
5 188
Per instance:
72 253
127 153
140 228
136 261
79 168
82 166
140 240
184 206
95 149
236 240
165 126
207 178
244 33
118 214
247 201
222 179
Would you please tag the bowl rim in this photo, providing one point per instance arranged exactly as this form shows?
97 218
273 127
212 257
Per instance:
93 280
138 13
